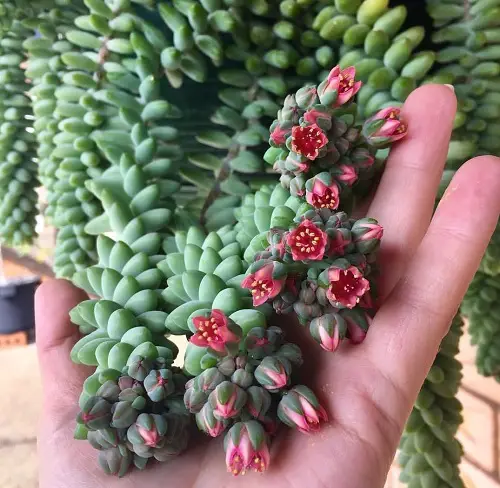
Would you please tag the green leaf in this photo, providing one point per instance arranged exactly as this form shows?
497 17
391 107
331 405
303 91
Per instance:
213 138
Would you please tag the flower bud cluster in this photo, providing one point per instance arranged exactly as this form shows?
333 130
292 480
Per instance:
248 391
138 417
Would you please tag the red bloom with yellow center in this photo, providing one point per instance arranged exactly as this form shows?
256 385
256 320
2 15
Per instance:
322 195
308 140
346 286
213 331
307 242
262 284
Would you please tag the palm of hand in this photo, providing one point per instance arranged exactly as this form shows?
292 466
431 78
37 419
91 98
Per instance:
368 390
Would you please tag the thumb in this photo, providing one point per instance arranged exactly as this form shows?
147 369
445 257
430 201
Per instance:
55 336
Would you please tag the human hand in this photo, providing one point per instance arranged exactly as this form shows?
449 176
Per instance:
369 389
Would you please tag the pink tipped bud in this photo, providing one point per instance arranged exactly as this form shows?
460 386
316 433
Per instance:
358 323
259 401
148 431
227 400
279 133
300 409
349 176
385 127
208 423
367 234
328 330
246 446
306 96
322 192
273 373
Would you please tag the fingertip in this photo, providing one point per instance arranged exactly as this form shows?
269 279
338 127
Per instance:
432 97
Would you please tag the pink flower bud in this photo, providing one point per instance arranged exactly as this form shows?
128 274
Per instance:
322 192
339 239
307 242
346 286
362 158
227 400
328 330
208 423
358 323
308 140
385 127
318 117
349 175
263 284
246 448
367 234
279 134
306 96
214 331
300 409
148 430
273 373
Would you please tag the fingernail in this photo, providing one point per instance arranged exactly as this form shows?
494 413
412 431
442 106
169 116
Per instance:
451 87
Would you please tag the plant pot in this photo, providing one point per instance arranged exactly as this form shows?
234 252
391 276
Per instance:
17 305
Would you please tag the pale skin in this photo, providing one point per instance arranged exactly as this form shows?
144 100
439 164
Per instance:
369 389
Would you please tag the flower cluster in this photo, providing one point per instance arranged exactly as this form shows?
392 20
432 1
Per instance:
316 145
321 269
137 417
248 390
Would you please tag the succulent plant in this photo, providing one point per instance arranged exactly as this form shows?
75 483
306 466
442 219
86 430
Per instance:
147 122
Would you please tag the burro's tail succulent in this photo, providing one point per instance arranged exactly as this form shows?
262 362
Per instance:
220 290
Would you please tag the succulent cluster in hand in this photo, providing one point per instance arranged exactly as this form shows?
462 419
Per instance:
315 262
138 416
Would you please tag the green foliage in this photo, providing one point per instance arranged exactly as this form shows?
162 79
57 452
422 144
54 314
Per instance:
429 452
18 171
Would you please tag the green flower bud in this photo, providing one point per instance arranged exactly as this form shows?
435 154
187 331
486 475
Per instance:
124 415
109 391
115 461
273 373
242 378
159 384
96 414
147 432
104 438
139 368
259 401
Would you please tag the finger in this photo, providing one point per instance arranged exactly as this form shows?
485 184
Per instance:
55 336
405 197
409 327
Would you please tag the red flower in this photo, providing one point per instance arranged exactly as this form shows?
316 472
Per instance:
213 331
322 195
346 286
263 285
349 175
307 241
308 140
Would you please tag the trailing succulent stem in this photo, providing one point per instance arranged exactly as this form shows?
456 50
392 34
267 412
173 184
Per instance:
430 454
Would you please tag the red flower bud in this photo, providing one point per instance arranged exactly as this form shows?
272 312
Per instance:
307 242
358 323
279 134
